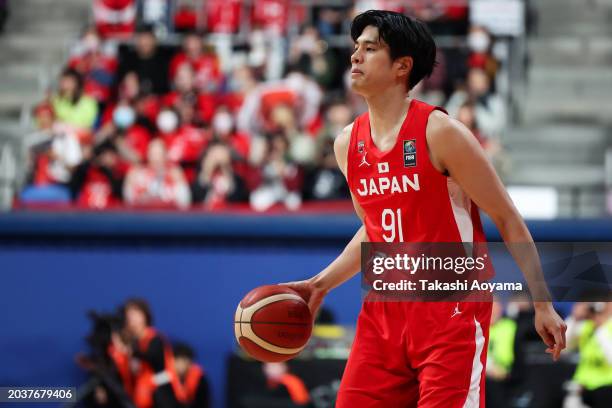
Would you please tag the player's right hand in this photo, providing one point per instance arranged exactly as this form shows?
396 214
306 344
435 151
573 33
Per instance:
310 293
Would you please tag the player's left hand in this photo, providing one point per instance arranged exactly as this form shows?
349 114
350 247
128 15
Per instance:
550 327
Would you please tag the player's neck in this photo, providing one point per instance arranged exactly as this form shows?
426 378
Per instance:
387 111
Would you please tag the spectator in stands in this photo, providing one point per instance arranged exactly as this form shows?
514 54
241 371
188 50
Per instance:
70 105
224 131
282 383
330 20
492 146
296 90
58 153
480 41
191 376
338 115
312 56
489 106
217 182
184 142
467 115
97 182
500 357
282 179
158 183
202 60
148 61
301 146
130 138
145 104
4 13
241 83
589 330
185 93
326 181
156 382
95 64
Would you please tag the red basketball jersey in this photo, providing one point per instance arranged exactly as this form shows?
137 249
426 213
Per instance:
405 199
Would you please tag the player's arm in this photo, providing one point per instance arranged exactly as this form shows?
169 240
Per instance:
347 264
454 149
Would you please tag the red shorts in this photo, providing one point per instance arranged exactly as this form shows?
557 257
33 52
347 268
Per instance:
417 354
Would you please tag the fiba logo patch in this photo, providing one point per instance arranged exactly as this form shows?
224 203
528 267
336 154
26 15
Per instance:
410 153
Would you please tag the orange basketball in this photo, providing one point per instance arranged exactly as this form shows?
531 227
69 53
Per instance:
272 323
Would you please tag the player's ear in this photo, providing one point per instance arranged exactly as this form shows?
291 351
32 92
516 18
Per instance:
404 65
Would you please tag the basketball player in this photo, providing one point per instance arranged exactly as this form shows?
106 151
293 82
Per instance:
425 354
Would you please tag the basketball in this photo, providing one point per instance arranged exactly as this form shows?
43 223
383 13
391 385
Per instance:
272 323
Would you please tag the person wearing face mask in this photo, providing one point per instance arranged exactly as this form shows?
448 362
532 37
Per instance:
184 141
480 42
224 130
129 137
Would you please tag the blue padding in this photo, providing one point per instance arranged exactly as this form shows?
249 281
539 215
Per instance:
51 193
292 226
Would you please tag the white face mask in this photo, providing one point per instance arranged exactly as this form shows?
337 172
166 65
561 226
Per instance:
124 117
167 121
478 41
223 123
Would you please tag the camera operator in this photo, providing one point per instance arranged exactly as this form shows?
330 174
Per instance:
110 383
589 330
156 382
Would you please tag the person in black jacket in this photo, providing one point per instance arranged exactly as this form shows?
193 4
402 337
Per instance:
148 61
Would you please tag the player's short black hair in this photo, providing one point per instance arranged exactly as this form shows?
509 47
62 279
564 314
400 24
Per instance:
405 36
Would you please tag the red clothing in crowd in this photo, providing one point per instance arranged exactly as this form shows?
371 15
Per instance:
115 18
223 15
206 68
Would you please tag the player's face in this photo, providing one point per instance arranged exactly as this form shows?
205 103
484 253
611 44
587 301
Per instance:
371 67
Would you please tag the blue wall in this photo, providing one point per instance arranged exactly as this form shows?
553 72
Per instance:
47 287
192 268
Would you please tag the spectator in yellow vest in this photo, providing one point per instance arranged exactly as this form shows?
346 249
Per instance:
70 105
589 330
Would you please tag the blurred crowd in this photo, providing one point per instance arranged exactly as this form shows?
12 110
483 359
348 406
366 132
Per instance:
519 374
150 114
